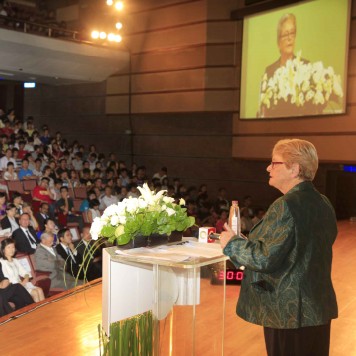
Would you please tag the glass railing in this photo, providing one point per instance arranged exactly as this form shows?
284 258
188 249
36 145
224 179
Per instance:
36 28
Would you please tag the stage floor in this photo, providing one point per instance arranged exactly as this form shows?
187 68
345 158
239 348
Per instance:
70 326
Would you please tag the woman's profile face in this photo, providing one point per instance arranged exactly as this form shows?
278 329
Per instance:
286 41
279 173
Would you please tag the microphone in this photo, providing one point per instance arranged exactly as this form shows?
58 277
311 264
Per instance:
214 236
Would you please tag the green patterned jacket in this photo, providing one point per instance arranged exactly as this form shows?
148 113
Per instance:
288 259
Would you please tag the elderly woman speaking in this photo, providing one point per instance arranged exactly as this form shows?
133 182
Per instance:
287 286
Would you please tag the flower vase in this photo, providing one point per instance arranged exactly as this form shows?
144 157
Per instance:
152 240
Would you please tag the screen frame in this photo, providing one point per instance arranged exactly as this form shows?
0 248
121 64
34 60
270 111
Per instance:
346 69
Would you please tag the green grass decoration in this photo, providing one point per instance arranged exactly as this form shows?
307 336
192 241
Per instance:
129 337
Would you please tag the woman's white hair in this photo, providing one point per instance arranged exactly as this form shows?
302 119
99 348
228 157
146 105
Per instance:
299 151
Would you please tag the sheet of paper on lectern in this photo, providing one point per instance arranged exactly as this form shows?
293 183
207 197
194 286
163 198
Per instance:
177 253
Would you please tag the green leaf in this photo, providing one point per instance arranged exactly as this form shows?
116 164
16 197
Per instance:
123 239
108 231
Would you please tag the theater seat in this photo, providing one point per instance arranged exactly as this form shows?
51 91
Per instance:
44 274
41 280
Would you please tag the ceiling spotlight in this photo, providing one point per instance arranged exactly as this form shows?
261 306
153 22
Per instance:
118 38
95 35
109 2
118 25
119 5
102 35
111 37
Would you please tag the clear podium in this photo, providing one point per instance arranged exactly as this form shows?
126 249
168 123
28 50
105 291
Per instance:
187 309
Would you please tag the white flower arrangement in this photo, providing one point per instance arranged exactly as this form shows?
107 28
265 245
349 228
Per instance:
299 82
148 214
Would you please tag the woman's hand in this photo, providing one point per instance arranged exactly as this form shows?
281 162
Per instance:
226 235
25 280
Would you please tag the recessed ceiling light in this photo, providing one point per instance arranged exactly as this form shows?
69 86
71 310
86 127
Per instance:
8 74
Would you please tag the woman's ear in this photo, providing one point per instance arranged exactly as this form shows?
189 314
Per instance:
295 170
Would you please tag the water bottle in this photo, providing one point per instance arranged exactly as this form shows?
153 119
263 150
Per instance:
234 217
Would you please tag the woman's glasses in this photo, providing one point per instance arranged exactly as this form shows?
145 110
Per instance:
288 34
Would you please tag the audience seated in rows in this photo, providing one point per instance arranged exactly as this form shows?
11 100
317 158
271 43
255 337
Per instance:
73 183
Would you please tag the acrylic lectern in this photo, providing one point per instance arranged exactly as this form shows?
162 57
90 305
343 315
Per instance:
187 309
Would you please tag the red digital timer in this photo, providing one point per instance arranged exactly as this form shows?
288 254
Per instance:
232 276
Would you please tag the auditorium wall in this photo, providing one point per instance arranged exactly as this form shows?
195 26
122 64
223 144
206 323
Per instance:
184 86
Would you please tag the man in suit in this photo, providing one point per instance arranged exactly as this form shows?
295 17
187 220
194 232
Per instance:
25 236
90 252
14 293
65 249
42 215
47 259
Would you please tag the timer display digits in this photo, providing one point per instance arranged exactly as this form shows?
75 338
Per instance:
231 276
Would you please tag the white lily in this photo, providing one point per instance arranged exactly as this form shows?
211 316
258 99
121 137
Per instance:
168 200
114 220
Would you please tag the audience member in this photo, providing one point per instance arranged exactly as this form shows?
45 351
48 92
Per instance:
161 174
25 172
2 205
42 215
18 202
44 194
14 293
26 208
6 159
10 173
73 260
65 206
93 211
48 260
90 252
51 228
13 270
224 215
222 202
25 236
247 203
107 199
10 221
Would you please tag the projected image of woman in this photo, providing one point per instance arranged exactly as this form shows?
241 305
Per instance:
286 35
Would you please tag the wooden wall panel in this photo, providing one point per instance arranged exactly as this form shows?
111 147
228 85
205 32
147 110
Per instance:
170 59
202 124
223 31
169 38
184 146
117 105
331 148
169 81
188 101
160 17
221 78
118 85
